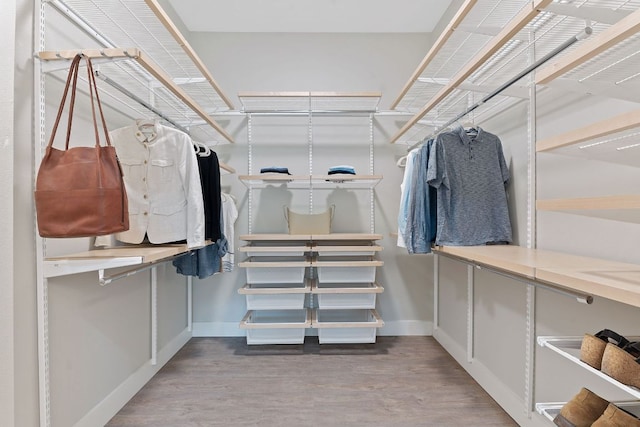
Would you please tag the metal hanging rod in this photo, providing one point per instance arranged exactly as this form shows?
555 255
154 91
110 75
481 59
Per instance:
139 100
581 36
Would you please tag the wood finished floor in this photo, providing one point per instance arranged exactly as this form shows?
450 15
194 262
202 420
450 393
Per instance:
397 382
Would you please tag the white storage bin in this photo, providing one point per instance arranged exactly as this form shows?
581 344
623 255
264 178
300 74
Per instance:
275 297
274 270
346 271
275 250
346 326
276 327
346 250
334 296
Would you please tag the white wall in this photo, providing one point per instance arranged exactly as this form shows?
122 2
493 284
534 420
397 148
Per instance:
7 328
26 353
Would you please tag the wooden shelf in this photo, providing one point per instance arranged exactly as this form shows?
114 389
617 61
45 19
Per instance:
514 259
310 181
273 237
102 259
620 208
612 140
282 237
346 237
592 276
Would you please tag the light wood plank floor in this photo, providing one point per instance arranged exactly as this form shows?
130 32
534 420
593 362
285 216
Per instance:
399 382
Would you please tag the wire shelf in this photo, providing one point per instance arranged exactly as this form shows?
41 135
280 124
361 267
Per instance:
132 23
616 67
305 102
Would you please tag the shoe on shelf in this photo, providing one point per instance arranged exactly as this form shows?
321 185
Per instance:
592 348
622 364
616 417
581 411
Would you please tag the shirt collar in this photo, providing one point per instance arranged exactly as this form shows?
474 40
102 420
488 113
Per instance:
465 138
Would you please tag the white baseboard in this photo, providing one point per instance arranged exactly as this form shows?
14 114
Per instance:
513 404
110 405
217 329
392 328
396 328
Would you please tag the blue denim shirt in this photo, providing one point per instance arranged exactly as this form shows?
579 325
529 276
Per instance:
421 217
202 262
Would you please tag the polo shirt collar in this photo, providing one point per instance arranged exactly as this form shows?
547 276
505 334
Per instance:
465 138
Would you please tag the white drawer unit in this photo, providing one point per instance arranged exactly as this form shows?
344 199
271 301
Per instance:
275 270
276 327
285 296
346 326
333 296
292 274
351 270
350 250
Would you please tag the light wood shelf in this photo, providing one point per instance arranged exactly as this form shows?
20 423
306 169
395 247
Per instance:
311 181
613 280
102 259
620 208
599 129
283 237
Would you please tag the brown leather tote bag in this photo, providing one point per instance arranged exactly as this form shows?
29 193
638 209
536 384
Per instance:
80 191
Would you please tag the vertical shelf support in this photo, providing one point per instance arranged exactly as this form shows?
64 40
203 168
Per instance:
250 171
372 212
154 316
310 142
436 291
190 303
42 284
470 313
529 379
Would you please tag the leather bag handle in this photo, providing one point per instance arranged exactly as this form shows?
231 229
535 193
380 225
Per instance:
72 80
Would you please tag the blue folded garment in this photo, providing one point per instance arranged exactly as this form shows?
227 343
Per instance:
348 169
274 169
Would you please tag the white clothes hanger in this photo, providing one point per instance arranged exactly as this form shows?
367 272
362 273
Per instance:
143 124
202 149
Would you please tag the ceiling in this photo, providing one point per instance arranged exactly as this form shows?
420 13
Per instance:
311 16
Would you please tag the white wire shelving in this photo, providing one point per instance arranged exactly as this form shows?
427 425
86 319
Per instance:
158 74
489 42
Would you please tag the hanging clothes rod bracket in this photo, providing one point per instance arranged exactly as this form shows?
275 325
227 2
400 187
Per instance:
586 32
104 279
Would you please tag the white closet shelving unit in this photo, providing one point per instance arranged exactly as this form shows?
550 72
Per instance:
484 46
145 68
326 282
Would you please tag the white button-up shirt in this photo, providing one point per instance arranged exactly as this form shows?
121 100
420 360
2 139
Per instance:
163 185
